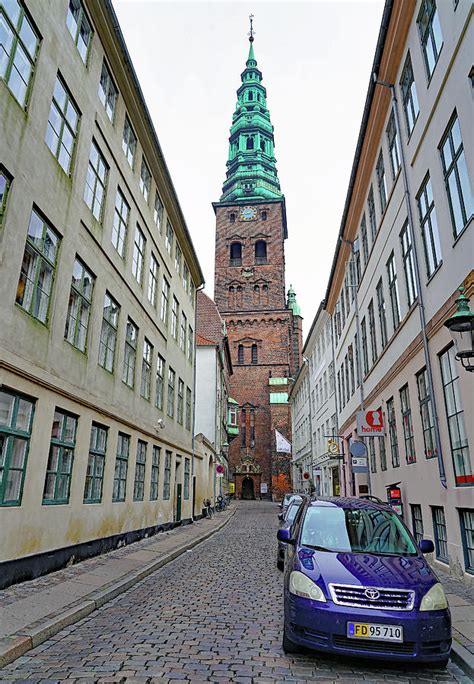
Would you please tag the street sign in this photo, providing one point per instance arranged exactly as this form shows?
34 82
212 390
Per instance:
219 469
359 465
306 476
358 449
358 457
263 488
370 423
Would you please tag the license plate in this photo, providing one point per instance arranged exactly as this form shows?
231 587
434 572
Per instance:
364 630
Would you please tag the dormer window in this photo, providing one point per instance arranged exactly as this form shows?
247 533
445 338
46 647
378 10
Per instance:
260 252
236 254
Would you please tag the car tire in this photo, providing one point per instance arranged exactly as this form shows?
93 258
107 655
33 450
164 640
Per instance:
280 564
288 645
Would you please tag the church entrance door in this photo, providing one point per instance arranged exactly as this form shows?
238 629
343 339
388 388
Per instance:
248 489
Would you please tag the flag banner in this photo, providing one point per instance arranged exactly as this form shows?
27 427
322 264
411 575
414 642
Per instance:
282 444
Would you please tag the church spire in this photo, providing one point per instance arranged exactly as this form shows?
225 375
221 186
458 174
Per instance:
251 166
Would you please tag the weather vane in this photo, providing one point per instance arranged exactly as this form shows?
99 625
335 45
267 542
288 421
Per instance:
251 33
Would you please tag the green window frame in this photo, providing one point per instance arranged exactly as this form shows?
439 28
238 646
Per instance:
466 519
130 353
188 408
187 477
182 332
57 483
392 429
108 333
382 314
409 95
16 420
463 474
393 290
426 412
456 176
107 91
372 331
167 476
129 142
120 223
153 280
140 465
62 126
410 451
119 492
381 182
155 472
174 318
190 344
79 27
372 214
160 382
440 533
429 227
96 464
165 297
417 521
20 43
408 264
393 145
171 392
147 359
38 268
180 403
5 184
430 34
96 182
365 351
80 302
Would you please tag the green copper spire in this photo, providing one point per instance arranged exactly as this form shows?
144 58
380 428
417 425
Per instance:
292 303
251 170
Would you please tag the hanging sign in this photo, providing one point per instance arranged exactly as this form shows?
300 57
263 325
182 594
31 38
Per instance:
370 423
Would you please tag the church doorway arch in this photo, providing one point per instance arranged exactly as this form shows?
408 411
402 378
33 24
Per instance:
248 491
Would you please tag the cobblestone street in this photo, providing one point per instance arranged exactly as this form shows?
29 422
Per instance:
213 615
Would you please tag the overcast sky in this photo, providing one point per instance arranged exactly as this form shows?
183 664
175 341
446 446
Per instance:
315 58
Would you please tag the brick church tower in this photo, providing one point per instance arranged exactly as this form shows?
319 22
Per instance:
263 325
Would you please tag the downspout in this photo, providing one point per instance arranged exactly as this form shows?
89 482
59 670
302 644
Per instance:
193 443
421 303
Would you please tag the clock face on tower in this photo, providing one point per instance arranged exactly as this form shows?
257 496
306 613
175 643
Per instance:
248 214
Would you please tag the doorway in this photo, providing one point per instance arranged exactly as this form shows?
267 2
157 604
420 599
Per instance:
248 489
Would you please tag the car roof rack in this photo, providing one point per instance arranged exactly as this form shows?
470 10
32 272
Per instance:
370 497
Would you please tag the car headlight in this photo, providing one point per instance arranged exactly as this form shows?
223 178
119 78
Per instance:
301 585
434 599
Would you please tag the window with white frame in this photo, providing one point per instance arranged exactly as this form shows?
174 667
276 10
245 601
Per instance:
408 264
382 314
60 460
392 431
381 182
182 332
190 344
180 403
107 91
417 521
363 240
38 268
409 95
466 518
138 259
19 42
129 142
145 180
393 290
96 182
372 215
171 392
120 223
174 318
430 34
372 457
365 350
167 476
147 357
63 122
393 145
187 477
177 259
153 281
165 297
429 227
372 331
455 415
130 353
79 27
456 176
160 382
185 277
108 333
188 408
80 302
426 411
158 211
407 425
169 237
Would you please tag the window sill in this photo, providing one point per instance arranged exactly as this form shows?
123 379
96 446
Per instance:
434 272
466 226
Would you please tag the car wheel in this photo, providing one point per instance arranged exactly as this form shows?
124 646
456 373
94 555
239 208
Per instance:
280 564
288 645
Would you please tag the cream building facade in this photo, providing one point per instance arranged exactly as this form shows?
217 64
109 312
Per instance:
405 246
98 278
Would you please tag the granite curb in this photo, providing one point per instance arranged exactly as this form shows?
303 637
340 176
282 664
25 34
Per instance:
17 644
462 657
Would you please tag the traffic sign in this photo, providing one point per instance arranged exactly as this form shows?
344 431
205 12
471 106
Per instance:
306 476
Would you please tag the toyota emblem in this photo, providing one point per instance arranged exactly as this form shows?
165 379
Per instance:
372 594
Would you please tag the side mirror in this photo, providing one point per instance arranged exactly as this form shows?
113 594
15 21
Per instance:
280 516
284 535
426 546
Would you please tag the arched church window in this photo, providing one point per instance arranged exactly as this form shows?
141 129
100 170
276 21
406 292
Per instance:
240 353
254 354
232 218
236 254
231 298
260 252
256 294
250 142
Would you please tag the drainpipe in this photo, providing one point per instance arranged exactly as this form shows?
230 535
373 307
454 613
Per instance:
193 443
421 303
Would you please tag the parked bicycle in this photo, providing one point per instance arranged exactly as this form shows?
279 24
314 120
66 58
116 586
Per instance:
208 508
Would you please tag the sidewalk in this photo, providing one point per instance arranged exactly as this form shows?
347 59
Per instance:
34 611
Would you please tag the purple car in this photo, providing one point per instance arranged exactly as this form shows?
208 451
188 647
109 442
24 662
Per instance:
356 583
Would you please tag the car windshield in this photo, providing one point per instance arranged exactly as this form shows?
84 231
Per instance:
356 530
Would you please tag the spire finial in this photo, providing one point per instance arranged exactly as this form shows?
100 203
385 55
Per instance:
251 33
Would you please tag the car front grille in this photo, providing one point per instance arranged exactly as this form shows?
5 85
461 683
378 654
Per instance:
408 648
379 598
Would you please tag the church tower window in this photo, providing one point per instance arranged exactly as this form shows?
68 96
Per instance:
264 215
236 254
240 353
254 354
250 142
232 217
260 252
